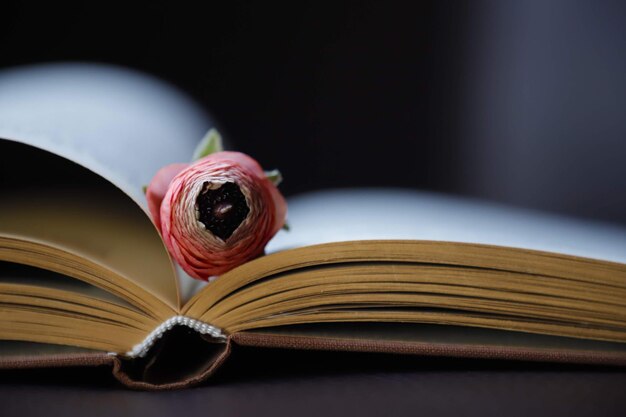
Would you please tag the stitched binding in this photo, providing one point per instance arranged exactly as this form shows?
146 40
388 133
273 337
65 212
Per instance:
140 349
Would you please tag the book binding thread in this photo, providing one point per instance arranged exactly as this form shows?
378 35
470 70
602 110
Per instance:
140 349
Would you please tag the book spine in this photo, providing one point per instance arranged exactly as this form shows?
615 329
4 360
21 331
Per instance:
140 349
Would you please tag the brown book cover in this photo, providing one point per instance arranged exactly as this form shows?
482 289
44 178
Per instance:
167 372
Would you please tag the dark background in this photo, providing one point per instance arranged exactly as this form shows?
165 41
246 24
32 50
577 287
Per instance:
258 382
519 101
515 101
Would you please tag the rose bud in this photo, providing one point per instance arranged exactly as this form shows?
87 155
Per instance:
216 213
155 192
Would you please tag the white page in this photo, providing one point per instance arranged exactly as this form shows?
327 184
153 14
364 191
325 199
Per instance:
341 215
121 124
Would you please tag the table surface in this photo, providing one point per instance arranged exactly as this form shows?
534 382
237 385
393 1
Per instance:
277 382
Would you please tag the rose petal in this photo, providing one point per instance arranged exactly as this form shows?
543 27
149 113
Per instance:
158 187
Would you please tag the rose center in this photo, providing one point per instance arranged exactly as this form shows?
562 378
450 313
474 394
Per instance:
223 209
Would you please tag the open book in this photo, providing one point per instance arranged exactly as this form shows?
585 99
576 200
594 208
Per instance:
85 278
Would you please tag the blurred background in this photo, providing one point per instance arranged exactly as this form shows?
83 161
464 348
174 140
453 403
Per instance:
521 102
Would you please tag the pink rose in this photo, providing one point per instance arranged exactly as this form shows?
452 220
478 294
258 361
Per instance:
216 213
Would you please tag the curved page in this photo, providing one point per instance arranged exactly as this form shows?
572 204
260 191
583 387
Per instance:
121 124
51 201
345 215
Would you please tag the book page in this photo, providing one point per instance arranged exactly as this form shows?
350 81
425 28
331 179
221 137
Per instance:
342 215
121 124
59 204
19 274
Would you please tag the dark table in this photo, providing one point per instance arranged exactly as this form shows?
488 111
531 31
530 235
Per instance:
275 382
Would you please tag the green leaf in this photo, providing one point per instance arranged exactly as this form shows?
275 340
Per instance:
210 143
275 176
144 189
286 227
